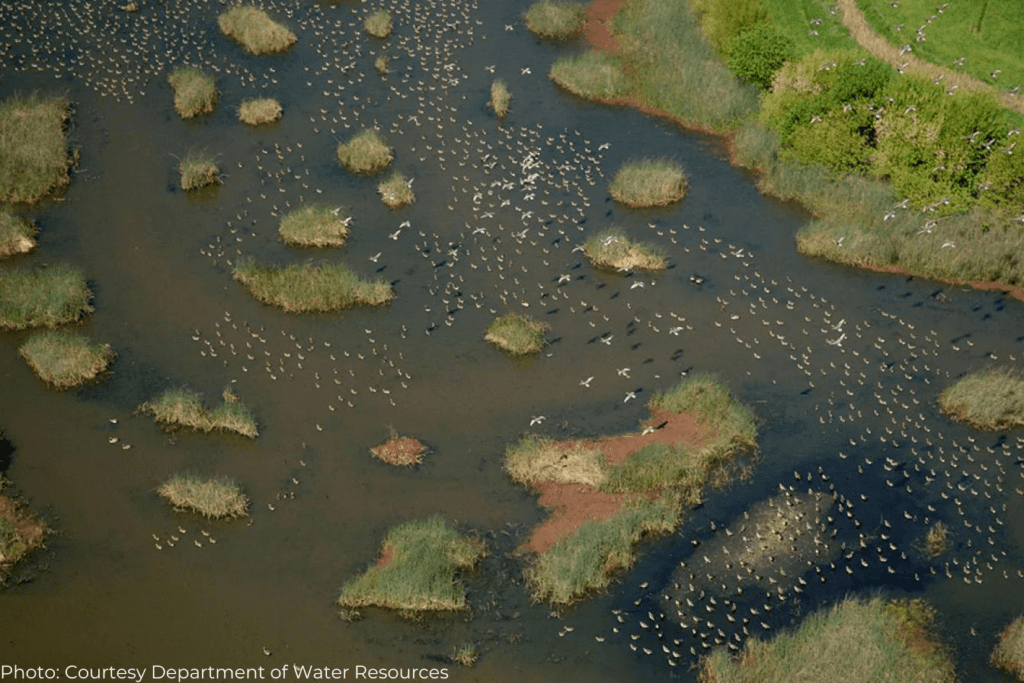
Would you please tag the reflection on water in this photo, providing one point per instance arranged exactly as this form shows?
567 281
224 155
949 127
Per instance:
841 367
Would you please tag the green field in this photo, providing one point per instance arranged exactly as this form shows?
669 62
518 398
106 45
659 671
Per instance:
794 18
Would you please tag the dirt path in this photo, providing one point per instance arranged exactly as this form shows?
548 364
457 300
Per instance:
874 43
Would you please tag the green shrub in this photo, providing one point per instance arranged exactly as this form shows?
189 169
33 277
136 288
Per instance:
1001 183
51 296
65 360
839 140
33 147
756 54
724 20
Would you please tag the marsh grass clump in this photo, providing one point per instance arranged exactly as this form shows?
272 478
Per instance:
592 75
184 408
315 226
33 147
195 93
49 297
465 654
990 399
556 20
516 334
198 169
218 498
65 360
500 97
856 640
713 404
649 182
1009 651
400 451
257 112
396 191
535 460
613 250
255 30
381 64
20 532
366 152
936 541
311 287
417 570
378 24
17 235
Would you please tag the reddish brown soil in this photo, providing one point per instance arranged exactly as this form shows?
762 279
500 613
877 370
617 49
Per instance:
386 555
401 451
1016 291
572 505
599 18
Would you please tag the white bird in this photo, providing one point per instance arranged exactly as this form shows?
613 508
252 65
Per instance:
624 372
629 395
536 420
948 244
525 71
586 382
376 256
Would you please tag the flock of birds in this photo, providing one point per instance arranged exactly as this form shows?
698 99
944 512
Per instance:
502 213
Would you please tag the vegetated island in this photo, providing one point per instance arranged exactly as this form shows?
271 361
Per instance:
198 169
612 250
367 152
17 235
34 157
64 360
649 182
1009 651
378 24
21 532
606 494
35 297
195 92
316 226
311 287
417 570
555 20
184 408
517 335
990 399
259 111
215 498
255 30
400 451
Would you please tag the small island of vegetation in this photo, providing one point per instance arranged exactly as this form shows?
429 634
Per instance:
396 191
316 226
34 156
216 498
612 250
255 30
649 182
366 152
35 297
311 287
184 408
516 334
500 98
65 360
198 169
990 399
1009 651
378 24
20 533
195 93
400 451
259 111
17 235
556 20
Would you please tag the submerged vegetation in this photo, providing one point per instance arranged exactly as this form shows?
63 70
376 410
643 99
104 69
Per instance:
990 399
852 642
31 297
198 169
257 112
378 24
311 287
33 147
20 532
613 250
218 498
366 152
195 93
1009 651
556 20
516 334
396 191
17 235
65 360
255 30
315 226
184 408
649 182
500 97
417 569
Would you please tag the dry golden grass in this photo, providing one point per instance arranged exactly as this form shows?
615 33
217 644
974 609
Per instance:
195 93
516 334
536 460
378 24
255 30
396 191
613 250
500 98
366 152
259 111
315 226
1009 652
219 498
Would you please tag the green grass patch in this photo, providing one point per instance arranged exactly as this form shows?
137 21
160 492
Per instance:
33 147
260 111
378 24
613 250
1009 651
218 498
585 560
65 360
367 152
195 93
516 334
990 399
649 182
417 571
465 654
311 287
381 64
198 169
396 191
810 24
537 460
500 97
49 297
20 532
593 75
184 408
556 20
315 226
255 30
852 642
17 235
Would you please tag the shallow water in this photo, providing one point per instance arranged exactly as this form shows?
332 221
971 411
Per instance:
859 409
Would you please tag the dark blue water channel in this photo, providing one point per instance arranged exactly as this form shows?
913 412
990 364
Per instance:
841 367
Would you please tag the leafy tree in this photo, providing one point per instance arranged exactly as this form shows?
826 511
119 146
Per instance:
756 54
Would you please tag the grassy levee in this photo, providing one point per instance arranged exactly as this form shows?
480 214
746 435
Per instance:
989 399
217 498
315 226
366 152
418 570
65 360
556 20
195 93
500 98
1009 651
33 147
378 24
184 408
42 297
853 642
255 30
310 287
396 191
20 532
612 250
649 182
17 235
260 111
198 169
516 334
